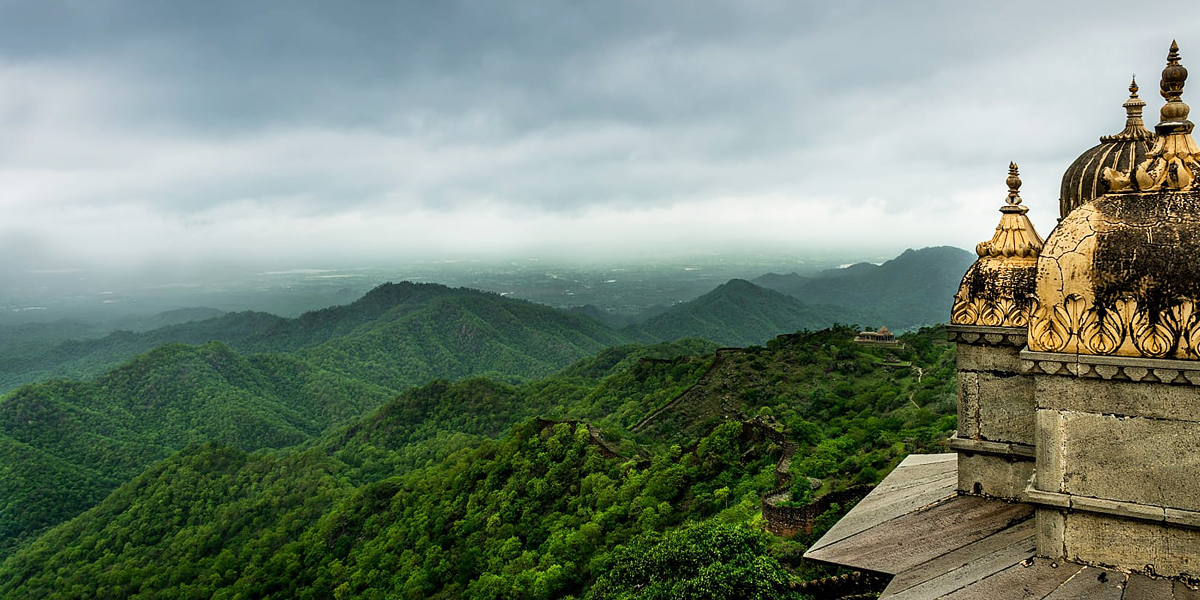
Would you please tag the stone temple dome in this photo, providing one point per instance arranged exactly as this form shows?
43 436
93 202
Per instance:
1119 276
1084 179
998 289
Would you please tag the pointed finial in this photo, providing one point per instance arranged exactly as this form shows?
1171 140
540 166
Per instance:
1174 113
1014 184
1135 129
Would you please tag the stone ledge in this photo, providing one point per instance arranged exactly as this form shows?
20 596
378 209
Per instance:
986 336
1012 450
1111 368
1128 510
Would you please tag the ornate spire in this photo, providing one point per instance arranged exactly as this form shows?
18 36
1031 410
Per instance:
1174 112
1174 161
1015 237
1135 128
997 290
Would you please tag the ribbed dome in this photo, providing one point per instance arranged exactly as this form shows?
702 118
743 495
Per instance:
999 288
1119 275
1084 179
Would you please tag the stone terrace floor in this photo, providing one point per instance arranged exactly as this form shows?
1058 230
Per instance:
936 544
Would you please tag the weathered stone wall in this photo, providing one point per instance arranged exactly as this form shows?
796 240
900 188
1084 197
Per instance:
788 521
995 411
1117 479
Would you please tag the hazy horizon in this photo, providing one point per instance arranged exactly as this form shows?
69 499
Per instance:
146 137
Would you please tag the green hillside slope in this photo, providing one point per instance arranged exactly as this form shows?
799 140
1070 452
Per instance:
89 357
78 440
350 360
547 510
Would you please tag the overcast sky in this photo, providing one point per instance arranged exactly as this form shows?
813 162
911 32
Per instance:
296 131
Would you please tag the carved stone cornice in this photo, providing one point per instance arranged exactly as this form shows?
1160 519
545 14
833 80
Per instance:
1111 368
981 335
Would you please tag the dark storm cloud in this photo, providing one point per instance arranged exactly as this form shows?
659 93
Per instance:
214 116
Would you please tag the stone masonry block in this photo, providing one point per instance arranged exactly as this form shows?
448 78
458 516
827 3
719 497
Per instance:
992 475
1128 544
1143 399
1131 459
989 358
1048 441
1050 526
968 404
1006 408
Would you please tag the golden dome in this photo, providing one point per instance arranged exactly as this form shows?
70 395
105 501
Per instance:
998 288
1119 276
1084 179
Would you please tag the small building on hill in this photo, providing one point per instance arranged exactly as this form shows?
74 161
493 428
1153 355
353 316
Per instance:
1075 470
881 337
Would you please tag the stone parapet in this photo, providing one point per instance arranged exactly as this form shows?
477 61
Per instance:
1010 450
1001 470
1125 510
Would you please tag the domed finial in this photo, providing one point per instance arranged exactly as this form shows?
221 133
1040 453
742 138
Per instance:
1014 185
1174 113
1015 237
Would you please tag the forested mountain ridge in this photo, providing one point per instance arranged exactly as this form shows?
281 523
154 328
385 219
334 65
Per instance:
76 440
78 358
250 332
911 290
740 313
381 508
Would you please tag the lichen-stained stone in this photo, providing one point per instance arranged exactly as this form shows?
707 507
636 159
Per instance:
998 289
1119 277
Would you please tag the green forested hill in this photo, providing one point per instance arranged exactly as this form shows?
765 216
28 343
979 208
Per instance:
418 330
413 501
740 313
460 335
911 290
76 440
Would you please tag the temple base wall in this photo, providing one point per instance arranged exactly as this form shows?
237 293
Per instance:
1117 478
995 412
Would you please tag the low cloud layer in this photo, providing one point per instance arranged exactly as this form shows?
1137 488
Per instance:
292 131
